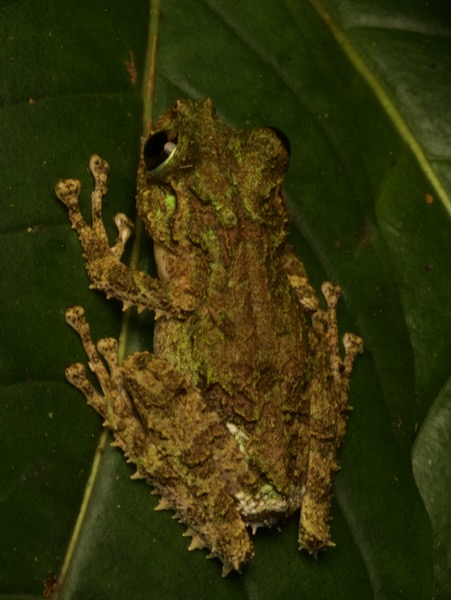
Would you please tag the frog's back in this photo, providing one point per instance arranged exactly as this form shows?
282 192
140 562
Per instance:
248 332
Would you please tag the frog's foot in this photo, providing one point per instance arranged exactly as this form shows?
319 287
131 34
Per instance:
115 405
328 396
178 444
105 270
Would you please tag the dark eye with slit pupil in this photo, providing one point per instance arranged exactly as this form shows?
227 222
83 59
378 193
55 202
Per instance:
158 149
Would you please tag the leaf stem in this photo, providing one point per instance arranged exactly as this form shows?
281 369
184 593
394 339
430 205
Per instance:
147 97
74 539
149 67
147 94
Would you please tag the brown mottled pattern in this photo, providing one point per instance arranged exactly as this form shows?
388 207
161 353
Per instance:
236 417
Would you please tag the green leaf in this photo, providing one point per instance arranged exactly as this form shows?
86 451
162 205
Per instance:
431 454
362 92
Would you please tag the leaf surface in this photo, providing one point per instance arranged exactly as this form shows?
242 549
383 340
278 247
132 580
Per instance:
361 91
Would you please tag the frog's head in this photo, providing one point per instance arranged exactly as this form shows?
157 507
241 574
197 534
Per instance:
200 180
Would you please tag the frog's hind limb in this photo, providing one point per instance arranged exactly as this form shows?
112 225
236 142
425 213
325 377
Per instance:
328 399
176 442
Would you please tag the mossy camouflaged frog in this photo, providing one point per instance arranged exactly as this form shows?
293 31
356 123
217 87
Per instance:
236 417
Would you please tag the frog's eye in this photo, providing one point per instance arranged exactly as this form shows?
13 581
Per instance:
158 151
282 138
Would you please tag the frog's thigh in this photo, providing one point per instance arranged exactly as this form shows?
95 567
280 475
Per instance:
196 449
177 444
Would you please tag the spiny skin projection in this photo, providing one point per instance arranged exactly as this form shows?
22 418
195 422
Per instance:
236 417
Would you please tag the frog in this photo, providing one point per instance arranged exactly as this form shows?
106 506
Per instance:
235 418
